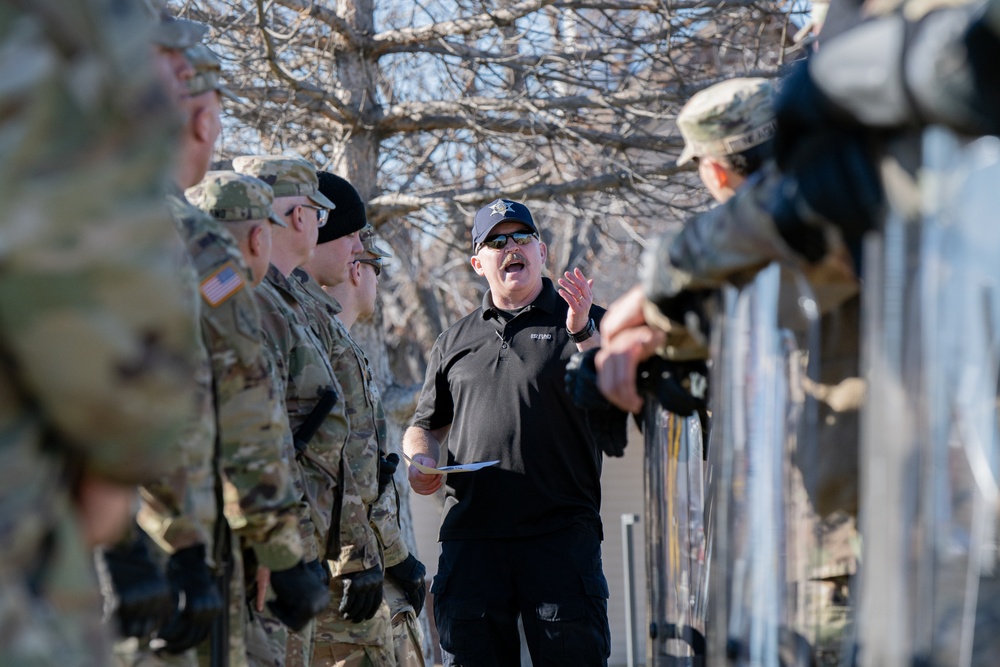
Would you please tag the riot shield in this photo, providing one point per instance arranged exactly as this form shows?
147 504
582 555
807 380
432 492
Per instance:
762 543
929 591
675 538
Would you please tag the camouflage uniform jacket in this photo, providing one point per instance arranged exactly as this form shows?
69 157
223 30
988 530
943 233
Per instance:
259 500
306 373
180 509
366 442
97 339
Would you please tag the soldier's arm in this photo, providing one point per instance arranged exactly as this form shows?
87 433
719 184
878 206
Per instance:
359 547
385 521
275 335
252 425
94 312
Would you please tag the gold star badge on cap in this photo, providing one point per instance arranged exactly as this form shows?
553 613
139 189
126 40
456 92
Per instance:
501 208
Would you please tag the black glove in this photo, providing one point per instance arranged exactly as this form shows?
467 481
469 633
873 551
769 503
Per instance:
386 469
606 422
362 594
300 595
144 600
318 568
679 386
191 623
581 381
409 575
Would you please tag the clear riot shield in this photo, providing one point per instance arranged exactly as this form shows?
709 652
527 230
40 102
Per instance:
675 538
762 603
929 588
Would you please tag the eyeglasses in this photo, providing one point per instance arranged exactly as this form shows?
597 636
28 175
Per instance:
374 263
322 214
500 240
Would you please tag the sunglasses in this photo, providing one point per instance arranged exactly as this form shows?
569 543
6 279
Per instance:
374 263
500 240
322 214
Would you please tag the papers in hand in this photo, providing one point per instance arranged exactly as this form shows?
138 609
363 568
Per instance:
465 467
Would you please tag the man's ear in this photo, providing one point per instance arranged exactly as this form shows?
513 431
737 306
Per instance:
255 240
477 265
544 250
355 273
719 173
296 218
200 122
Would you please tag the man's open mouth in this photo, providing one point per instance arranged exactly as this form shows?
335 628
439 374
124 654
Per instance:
513 264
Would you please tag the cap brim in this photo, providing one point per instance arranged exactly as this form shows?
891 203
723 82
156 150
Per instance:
319 198
226 92
277 220
378 252
686 155
179 33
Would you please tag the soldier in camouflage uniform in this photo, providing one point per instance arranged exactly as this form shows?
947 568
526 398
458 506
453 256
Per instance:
304 371
260 504
405 587
97 339
340 640
179 509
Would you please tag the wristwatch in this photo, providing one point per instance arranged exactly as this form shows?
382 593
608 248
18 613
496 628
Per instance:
584 333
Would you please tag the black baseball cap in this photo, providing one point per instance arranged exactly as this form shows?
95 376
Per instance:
496 212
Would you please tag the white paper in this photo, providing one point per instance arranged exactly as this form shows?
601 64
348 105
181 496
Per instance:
465 467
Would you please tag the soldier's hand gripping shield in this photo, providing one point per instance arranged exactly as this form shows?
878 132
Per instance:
760 530
931 451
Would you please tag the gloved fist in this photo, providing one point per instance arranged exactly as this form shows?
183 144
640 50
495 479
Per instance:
386 469
201 603
144 600
300 595
362 594
679 386
410 576
318 568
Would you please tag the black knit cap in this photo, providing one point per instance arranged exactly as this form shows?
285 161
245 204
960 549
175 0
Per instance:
349 216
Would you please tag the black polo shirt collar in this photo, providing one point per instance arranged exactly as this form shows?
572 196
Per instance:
547 301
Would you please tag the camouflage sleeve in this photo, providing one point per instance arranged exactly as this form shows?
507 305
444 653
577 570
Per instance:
94 311
359 547
727 243
275 337
385 521
251 420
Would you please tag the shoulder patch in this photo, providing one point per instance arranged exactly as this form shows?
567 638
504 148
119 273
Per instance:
222 284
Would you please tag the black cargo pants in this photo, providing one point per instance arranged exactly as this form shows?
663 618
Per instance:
555 582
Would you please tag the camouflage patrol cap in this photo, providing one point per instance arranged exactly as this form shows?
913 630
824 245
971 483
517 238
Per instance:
727 118
231 197
287 176
371 246
207 72
171 32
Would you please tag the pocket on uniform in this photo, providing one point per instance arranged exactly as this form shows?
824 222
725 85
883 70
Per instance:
596 585
566 610
439 584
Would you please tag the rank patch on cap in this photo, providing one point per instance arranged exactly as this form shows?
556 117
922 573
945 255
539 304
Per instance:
221 285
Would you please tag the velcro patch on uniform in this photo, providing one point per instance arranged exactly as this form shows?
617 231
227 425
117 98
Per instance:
222 284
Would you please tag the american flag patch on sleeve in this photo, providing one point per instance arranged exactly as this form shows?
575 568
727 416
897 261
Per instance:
221 285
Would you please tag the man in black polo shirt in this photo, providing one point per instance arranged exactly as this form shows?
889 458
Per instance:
522 537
